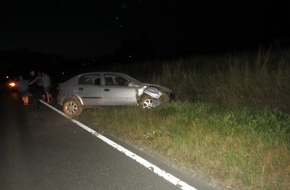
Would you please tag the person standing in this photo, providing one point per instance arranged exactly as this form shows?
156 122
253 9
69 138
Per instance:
46 84
23 89
39 85
34 85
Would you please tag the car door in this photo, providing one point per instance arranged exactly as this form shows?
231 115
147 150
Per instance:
90 89
117 91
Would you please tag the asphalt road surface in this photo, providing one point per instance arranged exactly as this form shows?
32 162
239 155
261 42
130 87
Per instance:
41 149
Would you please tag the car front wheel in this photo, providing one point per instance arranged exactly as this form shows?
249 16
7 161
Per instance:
72 107
146 102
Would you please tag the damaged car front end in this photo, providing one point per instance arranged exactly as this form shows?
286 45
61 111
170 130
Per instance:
150 96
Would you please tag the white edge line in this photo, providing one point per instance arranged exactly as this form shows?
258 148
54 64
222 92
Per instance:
167 176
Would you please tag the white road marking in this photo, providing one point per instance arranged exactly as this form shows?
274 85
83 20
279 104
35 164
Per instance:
167 176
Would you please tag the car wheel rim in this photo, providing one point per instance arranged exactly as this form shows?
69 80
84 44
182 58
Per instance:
71 108
148 103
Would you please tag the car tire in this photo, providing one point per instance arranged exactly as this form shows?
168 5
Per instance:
72 107
146 102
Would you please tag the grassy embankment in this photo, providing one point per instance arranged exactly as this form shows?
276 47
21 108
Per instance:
230 120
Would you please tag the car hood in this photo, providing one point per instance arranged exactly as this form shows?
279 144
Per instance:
159 87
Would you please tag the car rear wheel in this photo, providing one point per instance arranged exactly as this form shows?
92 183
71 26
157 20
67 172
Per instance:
72 107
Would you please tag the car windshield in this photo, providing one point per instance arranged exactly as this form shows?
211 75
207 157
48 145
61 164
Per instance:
133 80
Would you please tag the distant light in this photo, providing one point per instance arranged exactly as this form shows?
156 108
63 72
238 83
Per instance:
62 73
7 77
12 84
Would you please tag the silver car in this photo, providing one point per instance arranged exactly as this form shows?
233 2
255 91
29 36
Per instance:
92 89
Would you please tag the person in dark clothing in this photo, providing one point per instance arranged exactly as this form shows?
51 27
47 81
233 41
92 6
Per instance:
23 89
35 86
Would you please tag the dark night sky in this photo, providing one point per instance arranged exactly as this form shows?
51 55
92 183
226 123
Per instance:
83 28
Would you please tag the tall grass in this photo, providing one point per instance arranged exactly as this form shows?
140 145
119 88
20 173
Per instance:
257 80
242 149
230 118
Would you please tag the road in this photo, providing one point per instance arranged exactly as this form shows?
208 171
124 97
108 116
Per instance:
41 149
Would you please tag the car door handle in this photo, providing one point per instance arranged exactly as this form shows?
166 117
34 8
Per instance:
81 88
107 90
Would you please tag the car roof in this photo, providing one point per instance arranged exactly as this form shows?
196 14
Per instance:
104 72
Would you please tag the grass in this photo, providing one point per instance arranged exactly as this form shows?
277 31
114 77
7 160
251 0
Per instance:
230 120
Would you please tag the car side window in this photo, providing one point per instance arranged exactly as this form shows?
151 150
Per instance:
85 80
115 80
97 81
120 81
109 81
